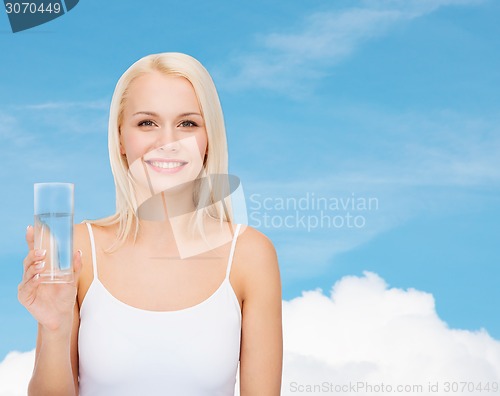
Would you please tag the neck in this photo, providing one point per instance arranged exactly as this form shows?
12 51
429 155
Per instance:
163 216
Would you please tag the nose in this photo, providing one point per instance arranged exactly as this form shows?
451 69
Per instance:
167 141
170 147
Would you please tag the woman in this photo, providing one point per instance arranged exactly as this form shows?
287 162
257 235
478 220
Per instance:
169 295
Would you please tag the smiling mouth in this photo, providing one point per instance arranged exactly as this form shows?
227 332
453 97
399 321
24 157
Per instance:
167 164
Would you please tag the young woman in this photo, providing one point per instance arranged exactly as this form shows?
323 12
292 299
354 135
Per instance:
170 296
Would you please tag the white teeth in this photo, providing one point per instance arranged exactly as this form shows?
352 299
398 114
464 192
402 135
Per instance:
167 165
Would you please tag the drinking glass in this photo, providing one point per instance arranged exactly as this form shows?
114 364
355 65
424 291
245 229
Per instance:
54 211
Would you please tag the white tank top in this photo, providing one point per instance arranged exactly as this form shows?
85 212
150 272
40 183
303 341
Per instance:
127 351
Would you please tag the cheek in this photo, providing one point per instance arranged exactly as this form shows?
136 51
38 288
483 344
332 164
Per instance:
132 146
202 142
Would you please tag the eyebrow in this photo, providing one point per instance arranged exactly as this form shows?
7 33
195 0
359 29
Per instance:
150 113
189 114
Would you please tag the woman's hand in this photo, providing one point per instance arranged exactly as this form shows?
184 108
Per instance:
52 305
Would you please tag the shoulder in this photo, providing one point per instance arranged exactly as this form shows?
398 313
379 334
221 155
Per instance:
81 236
80 232
254 243
257 260
81 241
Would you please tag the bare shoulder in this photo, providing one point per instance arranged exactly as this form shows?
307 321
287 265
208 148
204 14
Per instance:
80 233
257 260
81 241
255 244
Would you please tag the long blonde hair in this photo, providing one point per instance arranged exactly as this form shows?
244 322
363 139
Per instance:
208 202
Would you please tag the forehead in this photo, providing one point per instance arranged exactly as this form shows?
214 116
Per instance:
160 93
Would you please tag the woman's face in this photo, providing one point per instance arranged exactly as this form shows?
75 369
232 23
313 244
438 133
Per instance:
162 132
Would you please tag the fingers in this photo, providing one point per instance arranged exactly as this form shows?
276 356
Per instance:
33 264
34 261
30 237
30 282
32 257
34 269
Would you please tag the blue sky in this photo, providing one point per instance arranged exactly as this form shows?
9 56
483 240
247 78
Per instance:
391 100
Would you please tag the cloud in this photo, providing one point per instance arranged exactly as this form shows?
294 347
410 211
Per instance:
362 332
435 148
49 130
10 134
366 332
52 143
93 105
15 373
413 164
283 60
64 118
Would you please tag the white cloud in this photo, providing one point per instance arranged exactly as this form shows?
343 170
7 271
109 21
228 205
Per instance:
363 332
93 105
11 135
367 332
435 148
324 38
15 373
414 164
52 144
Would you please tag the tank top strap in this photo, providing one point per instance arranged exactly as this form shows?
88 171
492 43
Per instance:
231 253
92 244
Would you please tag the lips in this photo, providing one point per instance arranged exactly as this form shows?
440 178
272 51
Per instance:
166 165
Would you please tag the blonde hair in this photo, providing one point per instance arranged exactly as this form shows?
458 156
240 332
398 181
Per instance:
208 202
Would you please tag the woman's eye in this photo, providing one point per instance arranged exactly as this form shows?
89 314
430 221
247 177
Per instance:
147 123
188 124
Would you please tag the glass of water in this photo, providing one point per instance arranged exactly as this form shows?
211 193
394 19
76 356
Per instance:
54 212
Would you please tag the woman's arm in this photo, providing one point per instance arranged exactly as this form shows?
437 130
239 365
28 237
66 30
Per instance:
56 310
261 356
56 361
